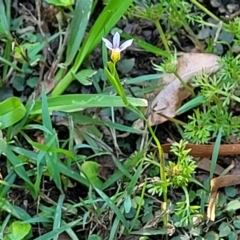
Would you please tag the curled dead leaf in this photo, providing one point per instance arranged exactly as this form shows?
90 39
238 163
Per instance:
216 183
171 97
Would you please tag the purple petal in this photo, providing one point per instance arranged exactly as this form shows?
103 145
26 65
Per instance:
126 44
116 40
108 44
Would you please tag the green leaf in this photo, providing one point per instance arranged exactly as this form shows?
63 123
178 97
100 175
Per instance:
78 28
233 205
84 76
18 83
126 65
224 229
230 191
127 204
211 236
32 82
232 236
236 223
19 230
34 49
90 169
94 237
11 111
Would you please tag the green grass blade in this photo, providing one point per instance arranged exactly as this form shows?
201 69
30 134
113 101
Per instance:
132 162
85 120
20 125
143 78
40 45
9 179
51 140
46 148
215 154
133 182
52 234
114 228
58 215
78 28
7 56
150 232
62 168
17 164
121 167
39 172
195 102
148 47
115 209
4 21
10 64
4 225
36 127
77 102
15 211
38 220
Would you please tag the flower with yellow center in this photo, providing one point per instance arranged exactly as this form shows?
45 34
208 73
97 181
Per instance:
115 46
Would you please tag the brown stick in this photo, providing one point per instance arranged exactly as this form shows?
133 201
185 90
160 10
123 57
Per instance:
206 150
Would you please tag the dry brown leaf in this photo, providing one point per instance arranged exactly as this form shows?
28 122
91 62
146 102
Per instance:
216 183
171 97
63 236
205 164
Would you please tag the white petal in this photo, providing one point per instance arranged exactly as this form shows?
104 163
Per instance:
116 40
108 44
126 44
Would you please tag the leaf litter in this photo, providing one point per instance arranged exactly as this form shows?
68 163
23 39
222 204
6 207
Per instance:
168 100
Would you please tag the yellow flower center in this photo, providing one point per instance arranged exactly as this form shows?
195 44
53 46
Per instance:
115 55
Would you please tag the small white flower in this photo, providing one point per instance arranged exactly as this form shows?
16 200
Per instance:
115 46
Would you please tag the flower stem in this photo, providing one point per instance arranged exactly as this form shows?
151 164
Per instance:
210 14
162 35
184 84
162 171
187 28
